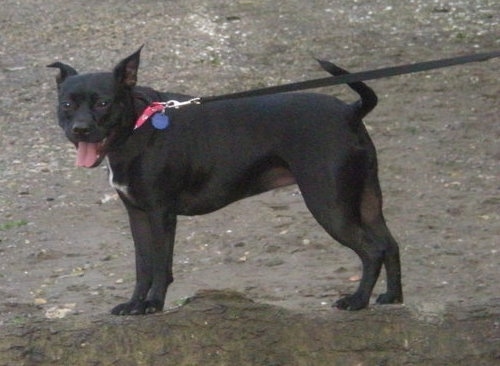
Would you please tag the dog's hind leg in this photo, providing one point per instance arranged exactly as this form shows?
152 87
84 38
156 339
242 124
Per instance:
374 223
346 205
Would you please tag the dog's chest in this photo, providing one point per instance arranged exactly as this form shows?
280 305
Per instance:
120 186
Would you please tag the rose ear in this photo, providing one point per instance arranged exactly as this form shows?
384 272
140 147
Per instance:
64 71
125 72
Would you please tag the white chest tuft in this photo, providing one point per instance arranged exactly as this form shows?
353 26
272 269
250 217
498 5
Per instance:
123 188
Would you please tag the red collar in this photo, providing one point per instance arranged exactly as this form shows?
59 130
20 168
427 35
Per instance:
156 107
153 108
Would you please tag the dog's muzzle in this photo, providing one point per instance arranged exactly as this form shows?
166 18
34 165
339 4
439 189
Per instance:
89 154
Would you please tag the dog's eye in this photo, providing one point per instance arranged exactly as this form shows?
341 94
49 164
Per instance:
66 106
102 104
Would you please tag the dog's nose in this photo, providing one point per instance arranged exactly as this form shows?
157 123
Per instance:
80 129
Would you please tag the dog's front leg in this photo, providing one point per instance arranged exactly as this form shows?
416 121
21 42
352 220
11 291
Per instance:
153 233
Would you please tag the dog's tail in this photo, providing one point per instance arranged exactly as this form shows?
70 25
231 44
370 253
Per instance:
368 99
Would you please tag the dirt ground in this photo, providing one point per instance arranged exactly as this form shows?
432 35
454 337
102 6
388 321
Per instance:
65 247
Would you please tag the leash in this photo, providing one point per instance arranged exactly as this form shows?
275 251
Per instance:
160 107
355 77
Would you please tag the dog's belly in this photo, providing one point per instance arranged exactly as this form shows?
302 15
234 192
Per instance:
213 197
205 193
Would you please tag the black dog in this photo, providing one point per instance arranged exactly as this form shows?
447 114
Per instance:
202 157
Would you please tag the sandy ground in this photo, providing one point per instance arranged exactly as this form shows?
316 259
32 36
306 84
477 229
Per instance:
65 248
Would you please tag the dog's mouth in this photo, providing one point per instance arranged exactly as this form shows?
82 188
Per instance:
90 154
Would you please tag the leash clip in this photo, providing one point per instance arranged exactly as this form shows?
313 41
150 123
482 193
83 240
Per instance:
176 104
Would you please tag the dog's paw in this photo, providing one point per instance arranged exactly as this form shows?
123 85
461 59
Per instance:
352 302
389 299
137 307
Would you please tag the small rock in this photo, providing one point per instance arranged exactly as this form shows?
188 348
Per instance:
272 262
355 278
39 301
59 312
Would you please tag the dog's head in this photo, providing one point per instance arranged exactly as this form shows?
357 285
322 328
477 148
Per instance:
96 110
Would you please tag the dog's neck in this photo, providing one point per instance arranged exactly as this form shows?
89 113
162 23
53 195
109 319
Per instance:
143 97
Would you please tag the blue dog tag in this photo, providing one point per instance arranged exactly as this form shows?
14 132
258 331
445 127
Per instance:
160 121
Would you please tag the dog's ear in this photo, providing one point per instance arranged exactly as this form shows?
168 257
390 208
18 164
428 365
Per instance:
64 71
125 72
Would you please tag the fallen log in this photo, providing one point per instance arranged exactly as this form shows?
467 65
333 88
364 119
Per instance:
226 328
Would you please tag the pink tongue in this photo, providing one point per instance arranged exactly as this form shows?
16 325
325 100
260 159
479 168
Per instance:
86 155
